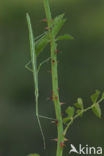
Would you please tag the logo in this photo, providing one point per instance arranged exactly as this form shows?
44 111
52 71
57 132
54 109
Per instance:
85 149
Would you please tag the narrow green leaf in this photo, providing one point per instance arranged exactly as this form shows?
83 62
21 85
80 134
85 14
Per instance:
79 103
102 95
70 111
44 40
97 110
42 43
65 37
65 120
58 18
95 96
57 24
34 154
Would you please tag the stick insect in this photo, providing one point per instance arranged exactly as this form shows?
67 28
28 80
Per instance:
35 71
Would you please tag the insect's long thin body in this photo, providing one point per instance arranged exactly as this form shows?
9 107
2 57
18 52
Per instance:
35 72
43 62
27 66
45 117
40 36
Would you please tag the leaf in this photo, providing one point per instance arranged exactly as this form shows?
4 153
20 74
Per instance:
95 96
102 95
65 120
79 103
97 110
70 111
44 40
33 154
65 37
57 24
42 43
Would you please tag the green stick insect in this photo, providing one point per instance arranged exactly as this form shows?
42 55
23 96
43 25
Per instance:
35 70
36 46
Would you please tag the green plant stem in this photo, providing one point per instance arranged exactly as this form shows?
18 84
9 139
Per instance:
54 71
75 117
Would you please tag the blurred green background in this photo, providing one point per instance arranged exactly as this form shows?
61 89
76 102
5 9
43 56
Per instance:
81 71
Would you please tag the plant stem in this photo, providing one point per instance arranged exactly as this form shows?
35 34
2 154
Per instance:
53 47
75 117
